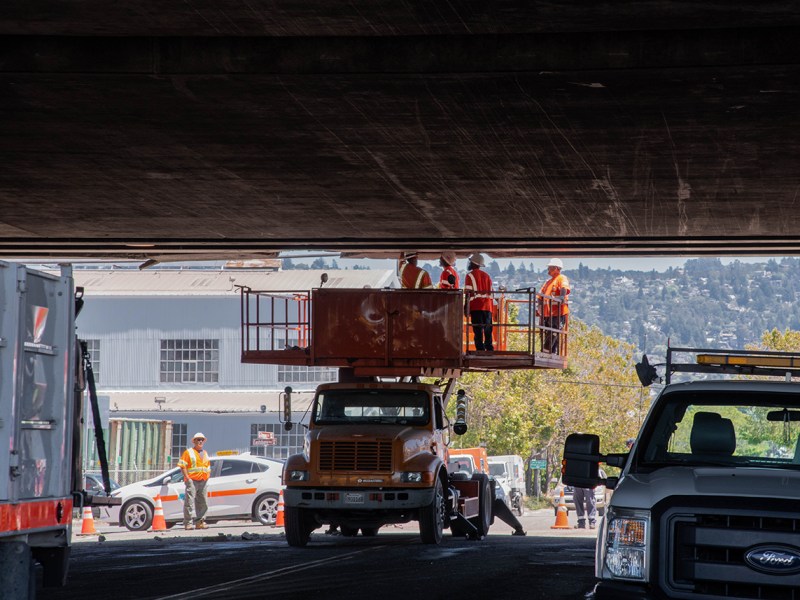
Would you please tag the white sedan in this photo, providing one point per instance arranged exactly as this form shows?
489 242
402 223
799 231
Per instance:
240 487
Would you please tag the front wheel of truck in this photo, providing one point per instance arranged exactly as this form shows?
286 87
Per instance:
298 526
431 517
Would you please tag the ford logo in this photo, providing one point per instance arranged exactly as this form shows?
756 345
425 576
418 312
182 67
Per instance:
777 560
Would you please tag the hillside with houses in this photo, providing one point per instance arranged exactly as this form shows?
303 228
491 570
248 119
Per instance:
703 304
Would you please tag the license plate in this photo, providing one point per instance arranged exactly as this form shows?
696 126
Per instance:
354 498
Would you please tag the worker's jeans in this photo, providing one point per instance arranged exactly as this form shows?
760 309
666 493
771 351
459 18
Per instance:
585 505
195 503
482 329
552 338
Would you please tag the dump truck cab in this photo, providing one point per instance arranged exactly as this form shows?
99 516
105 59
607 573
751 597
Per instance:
372 454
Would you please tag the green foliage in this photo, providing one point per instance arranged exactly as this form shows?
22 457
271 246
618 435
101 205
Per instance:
530 412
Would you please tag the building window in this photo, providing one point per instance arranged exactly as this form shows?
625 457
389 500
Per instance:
296 374
93 347
189 361
281 444
179 442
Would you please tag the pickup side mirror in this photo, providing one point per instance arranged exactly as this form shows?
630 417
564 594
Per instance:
581 464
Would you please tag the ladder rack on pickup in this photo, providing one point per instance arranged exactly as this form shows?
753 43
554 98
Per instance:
394 332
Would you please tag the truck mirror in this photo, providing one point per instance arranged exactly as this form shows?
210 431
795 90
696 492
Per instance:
287 408
460 426
581 464
646 372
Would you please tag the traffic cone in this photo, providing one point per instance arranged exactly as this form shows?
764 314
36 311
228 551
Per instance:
159 524
562 521
87 523
279 521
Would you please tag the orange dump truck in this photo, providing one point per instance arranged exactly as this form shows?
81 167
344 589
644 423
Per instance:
376 447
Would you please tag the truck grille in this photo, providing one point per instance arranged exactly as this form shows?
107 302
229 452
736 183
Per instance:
355 456
708 556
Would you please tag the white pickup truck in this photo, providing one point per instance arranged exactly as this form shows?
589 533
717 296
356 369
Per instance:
707 504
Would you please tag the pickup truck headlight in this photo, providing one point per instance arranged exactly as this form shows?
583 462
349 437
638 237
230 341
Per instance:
625 550
411 477
298 475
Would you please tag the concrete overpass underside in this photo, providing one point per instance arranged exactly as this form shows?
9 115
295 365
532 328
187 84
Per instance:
243 127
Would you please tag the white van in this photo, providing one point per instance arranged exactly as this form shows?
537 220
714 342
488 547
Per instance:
510 469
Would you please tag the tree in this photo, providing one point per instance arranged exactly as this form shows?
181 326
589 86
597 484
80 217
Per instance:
530 412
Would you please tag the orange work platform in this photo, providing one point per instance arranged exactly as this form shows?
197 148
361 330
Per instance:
393 332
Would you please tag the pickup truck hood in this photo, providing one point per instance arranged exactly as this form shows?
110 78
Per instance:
644 490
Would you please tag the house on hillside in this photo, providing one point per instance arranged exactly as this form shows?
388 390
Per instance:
165 347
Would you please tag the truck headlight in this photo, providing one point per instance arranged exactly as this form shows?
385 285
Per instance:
298 475
626 543
411 477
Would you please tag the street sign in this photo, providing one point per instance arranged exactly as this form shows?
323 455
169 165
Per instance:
266 435
538 464
260 442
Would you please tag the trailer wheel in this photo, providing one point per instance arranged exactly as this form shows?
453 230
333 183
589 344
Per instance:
484 519
369 531
431 517
137 515
299 524
348 531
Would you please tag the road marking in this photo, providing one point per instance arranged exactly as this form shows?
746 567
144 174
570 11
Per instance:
223 587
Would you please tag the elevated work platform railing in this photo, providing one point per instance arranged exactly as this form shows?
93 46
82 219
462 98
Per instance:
399 332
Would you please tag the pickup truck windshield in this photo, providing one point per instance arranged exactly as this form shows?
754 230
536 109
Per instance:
399 407
724 429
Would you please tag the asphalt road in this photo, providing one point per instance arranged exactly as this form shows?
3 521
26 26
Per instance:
237 560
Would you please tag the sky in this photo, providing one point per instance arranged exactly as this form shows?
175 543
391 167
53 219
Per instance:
646 263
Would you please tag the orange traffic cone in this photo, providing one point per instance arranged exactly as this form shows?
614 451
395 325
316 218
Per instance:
562 522
279 522
87 523
159 524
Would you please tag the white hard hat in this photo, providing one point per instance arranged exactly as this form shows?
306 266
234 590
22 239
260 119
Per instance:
198 436
477 259
555 262
449 258
407 255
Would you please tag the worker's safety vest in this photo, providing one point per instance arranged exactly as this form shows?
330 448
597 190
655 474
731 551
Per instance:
478 286
444 284
414 278
553 288
198 465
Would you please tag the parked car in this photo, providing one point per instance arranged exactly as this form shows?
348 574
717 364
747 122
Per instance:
240 487
601 496
93 484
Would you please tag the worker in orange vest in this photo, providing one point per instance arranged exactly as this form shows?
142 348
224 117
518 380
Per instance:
196 468
449 277
478 303
555 309
413 277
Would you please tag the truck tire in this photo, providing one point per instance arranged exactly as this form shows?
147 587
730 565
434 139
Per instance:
369 531
136 515
484 519
298 526
349 531
431 517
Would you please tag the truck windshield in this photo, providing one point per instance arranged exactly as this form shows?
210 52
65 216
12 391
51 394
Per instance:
724 429
400 407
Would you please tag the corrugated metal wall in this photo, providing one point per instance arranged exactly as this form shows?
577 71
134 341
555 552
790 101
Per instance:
138 448
130 331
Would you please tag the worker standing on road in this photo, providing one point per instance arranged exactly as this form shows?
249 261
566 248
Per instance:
585 506
478 303
196 468
555 309
449 274
413 277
